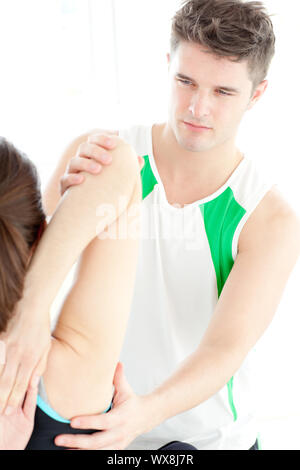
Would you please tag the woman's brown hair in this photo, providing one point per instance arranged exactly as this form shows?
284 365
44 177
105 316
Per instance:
228 28
21 222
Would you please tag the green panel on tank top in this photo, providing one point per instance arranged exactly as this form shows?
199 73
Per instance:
148 178
221 218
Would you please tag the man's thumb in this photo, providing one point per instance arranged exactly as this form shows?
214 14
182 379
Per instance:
141 162
120 381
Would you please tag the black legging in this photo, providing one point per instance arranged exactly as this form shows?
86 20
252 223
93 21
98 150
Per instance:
46 429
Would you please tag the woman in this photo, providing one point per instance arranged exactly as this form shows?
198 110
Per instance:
87 338
15 430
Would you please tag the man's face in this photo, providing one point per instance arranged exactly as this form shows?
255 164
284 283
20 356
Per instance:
209 96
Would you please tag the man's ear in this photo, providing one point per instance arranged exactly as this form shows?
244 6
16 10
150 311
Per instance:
258 93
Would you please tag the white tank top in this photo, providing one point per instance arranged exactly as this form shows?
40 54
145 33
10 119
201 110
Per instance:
185 258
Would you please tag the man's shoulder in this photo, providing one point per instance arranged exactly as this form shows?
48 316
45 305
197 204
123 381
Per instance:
273 221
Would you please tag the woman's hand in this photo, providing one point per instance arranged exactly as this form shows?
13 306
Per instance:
27 343
90 158
16 429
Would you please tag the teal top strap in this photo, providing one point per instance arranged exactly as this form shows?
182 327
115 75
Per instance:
50 412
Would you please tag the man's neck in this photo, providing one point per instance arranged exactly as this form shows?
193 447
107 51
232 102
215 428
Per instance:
205 172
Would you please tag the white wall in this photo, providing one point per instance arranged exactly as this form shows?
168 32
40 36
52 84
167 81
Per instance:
71 65
271 133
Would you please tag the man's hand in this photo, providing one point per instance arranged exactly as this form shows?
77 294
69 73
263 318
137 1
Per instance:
130 416
90 157
27 343
16 429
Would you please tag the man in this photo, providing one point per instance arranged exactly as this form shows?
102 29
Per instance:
207 289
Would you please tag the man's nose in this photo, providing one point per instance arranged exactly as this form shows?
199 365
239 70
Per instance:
200 105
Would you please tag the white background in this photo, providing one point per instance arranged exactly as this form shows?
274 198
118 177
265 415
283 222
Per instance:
68 66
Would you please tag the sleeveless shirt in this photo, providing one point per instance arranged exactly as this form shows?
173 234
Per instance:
186 255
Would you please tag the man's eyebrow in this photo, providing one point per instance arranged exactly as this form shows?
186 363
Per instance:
225 88
229 89
184 77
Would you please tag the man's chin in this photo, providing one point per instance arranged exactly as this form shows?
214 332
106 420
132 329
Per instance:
192 143
193 146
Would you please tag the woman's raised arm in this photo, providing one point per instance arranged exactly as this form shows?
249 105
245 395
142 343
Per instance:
73 226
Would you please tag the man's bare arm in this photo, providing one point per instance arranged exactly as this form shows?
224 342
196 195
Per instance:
268 251
52 194
269 248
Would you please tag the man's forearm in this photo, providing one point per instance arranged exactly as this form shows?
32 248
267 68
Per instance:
199 377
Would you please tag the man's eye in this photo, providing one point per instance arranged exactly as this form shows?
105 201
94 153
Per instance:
184 82
224 93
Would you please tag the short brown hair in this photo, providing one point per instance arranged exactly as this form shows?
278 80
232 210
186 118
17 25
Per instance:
21 221
228 28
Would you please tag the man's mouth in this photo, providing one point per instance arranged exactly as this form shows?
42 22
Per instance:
196 126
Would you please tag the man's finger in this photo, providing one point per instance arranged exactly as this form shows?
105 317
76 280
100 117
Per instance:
79 164
106 141
78 441
67 181
99 422
141 162
94 152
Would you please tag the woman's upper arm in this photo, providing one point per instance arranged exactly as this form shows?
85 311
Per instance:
89 333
